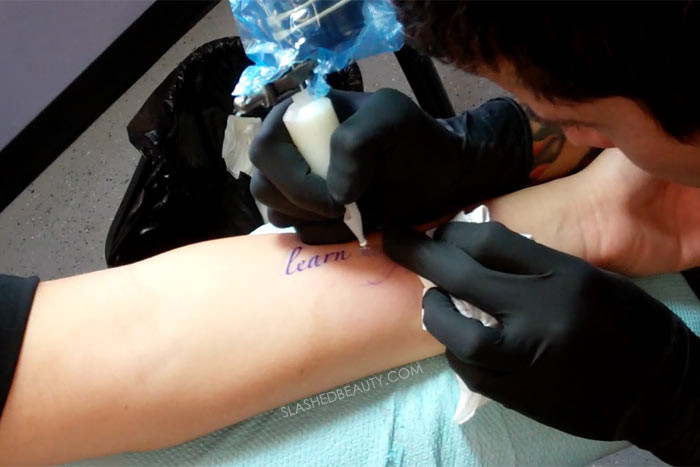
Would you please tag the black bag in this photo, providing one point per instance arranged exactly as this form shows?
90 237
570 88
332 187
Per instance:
181 191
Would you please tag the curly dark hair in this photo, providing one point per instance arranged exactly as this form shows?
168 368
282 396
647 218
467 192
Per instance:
575 51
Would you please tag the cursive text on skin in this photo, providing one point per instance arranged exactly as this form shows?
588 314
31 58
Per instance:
295 262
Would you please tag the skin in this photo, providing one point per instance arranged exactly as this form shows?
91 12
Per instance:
636 210
152 354
553 155
131 358
612 214
610 122
155 353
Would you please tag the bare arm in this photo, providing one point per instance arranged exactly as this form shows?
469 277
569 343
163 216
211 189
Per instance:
612 214
155 353
162 351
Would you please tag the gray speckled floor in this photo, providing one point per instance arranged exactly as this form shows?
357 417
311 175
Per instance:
58 225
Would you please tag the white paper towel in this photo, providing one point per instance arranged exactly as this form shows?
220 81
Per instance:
238 136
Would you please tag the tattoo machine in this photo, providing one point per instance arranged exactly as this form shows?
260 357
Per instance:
294 44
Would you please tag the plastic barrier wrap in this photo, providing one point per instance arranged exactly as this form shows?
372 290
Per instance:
278 33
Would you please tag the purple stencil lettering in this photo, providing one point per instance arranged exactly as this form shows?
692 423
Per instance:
313 262
296 264
295 252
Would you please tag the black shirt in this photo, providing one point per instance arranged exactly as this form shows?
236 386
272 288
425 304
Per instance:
16 296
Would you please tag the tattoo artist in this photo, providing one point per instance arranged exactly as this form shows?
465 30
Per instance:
579 348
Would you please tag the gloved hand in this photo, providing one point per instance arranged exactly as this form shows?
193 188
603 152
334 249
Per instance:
400 165
578 348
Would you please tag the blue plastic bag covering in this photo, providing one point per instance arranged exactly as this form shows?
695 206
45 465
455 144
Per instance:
278 33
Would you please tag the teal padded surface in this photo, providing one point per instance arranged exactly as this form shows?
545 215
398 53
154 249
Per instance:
400 418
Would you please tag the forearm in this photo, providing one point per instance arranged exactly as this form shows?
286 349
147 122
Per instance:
162 351
612 214
548 213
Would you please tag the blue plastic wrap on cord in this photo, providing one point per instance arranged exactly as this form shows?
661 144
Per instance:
278 33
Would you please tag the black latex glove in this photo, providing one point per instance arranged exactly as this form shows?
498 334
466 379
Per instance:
578 348
402 166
